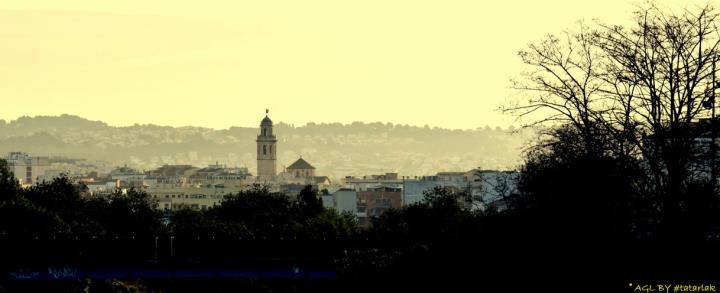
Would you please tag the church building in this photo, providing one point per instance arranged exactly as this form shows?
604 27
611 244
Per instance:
301 169
299 172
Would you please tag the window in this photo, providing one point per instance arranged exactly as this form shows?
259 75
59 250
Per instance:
264 131
264 150
383 202
271 149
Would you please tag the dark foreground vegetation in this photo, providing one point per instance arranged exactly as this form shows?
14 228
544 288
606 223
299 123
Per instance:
622 189
574 223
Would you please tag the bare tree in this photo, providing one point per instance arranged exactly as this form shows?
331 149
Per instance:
637 92
661 72
563 83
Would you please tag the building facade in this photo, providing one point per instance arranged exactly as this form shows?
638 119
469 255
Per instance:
25 167
128 177
301 169
485 186
373 181
345 200
375 201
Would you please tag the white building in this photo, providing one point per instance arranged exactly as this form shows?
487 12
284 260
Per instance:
26 168
175 202
128 176
328 201
373 181
343 200
102 186
486 185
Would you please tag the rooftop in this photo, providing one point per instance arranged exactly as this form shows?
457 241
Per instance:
300 164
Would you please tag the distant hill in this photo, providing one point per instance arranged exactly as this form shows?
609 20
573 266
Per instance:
335 149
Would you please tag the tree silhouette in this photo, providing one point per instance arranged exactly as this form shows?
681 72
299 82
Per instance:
636 95
9 186
309 202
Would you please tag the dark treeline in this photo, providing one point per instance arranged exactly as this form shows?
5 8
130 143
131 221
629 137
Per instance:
54 221
571 219
60 209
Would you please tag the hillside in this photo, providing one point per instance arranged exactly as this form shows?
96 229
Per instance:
335 149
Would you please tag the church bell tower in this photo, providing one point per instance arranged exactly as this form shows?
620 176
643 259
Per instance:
266 150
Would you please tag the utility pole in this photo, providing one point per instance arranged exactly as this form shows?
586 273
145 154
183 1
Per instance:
713 131
172 246
156 248
709 103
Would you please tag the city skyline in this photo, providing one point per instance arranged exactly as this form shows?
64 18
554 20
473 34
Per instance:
218 64
337 150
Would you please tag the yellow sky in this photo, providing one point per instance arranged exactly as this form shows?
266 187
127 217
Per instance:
220 63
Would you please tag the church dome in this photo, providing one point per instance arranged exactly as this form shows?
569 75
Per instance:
266 121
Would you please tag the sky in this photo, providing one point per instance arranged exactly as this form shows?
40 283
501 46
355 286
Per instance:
221 63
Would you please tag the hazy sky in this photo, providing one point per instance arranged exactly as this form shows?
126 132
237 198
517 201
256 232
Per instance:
219 63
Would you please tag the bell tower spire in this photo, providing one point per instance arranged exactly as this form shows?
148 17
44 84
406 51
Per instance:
266 150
